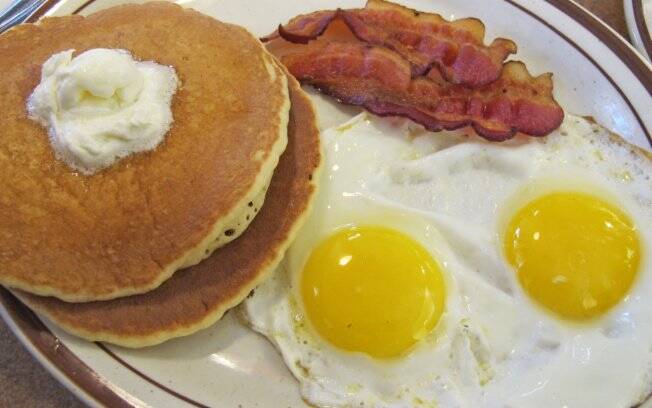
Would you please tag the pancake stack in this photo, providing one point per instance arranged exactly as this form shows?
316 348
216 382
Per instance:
162 243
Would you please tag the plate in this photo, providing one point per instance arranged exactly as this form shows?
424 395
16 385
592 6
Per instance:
638 14
596 74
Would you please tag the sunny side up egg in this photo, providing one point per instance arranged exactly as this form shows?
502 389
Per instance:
442 270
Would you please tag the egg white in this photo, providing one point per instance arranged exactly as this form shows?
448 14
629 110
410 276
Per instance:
454 193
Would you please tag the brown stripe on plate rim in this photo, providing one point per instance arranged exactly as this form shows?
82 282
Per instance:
608 38
641 26
83 6
619 46
60 356
83 376
148 378
41 10
56 353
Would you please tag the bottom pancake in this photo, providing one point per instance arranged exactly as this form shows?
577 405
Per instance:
197 297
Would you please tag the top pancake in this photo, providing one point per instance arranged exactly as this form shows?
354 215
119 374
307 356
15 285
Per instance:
127 228
198 296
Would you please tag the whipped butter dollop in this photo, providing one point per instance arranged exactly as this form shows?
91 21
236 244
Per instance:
102 105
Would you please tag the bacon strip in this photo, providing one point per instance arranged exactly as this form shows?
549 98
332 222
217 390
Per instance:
455 47
303 28
380 80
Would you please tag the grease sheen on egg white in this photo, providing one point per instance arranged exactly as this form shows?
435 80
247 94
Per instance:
494 345
102 105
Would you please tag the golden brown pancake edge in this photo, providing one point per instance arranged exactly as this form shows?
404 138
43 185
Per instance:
197 297
128 228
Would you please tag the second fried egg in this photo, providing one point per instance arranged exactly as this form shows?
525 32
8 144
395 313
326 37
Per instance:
442 270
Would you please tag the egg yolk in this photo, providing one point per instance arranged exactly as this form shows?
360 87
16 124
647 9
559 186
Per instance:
373 290
574 253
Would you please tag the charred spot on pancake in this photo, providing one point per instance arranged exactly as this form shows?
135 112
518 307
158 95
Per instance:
229 232
250 204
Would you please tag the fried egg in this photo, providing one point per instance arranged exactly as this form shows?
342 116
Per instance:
444 270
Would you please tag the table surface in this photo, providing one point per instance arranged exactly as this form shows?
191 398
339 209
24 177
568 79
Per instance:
25 383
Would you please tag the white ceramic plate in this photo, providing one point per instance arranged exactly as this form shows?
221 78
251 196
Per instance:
638 14
596 74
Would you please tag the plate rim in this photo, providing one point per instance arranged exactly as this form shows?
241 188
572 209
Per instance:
64 365
637 26
623 50
72 372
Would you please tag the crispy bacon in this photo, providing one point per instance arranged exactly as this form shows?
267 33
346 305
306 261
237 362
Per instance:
397 61
339 60
455 47
424 39
380 80
304 27
301 29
